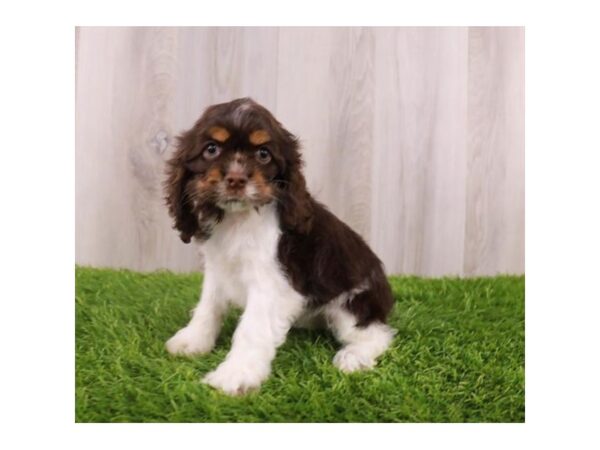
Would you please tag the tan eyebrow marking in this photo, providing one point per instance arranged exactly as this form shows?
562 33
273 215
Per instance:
259 137
218 133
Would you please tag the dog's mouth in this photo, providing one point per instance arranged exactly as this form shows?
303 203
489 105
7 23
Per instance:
238 199
235 195
235 200
235 205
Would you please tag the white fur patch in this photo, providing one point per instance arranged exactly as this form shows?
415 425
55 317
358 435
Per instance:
236 166
240 112
362 345
241 268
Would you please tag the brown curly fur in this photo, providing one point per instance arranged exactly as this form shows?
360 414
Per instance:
321 255
294 202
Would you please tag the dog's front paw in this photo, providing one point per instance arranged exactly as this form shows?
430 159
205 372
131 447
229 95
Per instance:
189 341
349 360
235 379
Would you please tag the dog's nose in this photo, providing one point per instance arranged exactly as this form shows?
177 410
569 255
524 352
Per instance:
236 180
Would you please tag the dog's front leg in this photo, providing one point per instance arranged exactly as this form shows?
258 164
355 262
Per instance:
263 327
200 334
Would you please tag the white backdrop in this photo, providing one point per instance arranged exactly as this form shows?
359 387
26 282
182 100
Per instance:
413 136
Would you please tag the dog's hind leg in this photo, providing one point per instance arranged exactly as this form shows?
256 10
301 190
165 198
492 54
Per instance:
362 345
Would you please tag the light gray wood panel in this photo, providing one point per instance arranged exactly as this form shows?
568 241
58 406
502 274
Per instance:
137 89
350 147
101 152
495 227
125 108
303 96
325 96
413 136
419 152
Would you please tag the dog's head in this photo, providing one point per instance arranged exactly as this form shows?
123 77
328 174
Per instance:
237 156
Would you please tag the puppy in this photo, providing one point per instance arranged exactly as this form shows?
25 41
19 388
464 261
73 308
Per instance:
235 186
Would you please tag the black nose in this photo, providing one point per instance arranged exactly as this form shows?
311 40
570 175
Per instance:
236 181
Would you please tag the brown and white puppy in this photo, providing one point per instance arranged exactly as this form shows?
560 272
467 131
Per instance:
235 186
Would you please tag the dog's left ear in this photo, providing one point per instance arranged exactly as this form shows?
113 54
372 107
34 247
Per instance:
296 204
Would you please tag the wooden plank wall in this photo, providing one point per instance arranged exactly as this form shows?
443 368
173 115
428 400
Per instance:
413 136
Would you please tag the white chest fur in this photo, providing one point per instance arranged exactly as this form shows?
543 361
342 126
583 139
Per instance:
242 267
241 255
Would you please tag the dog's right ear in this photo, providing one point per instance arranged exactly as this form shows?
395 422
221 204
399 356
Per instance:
178 176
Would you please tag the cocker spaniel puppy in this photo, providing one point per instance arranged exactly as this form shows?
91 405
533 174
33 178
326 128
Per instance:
235 186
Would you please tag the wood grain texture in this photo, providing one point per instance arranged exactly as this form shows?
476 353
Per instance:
419 150
325 93
495 226
413 136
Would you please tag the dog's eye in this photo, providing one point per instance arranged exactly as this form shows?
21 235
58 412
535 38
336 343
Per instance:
211 151
263 155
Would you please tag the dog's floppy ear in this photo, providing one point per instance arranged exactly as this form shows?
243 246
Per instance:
179 203
295 206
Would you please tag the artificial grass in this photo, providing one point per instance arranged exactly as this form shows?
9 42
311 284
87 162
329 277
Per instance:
458 357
